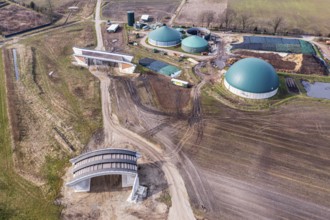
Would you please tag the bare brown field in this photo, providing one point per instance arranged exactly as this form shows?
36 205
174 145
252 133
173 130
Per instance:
192 11
60 9
157 9
45 3
266 165
16 18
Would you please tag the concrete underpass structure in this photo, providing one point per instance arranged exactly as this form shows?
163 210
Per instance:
109 161
87 57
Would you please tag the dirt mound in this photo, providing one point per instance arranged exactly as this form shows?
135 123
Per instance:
276 60
310 65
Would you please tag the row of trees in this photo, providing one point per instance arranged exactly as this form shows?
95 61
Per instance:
229 19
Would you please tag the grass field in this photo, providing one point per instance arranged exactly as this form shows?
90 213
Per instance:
19 199
309 16
68 99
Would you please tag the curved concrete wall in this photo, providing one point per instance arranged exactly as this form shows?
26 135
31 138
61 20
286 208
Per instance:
164 44
193 49
249 95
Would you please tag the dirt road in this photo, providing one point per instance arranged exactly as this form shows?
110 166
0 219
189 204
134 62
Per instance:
98 29
176 12
115 134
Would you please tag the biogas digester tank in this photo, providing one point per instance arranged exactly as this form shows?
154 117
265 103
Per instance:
130 18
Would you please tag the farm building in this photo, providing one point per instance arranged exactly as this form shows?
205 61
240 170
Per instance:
160 67
87 57
113 28
164 37
252 78
194 44
145 18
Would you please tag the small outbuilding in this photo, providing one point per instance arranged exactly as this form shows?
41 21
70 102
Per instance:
194 44
252 78
145 18
113 28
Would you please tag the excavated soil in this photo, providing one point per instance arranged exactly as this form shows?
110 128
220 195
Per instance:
291 63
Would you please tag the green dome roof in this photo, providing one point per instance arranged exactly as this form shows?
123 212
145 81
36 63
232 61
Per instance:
165 34
194 42
253 75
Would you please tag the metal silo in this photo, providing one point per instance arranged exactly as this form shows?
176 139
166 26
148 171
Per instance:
130 18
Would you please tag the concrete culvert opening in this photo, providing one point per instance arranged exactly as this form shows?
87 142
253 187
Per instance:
106 183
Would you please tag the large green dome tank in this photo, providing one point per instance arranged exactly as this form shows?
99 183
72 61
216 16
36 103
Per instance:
252 78
194 44
164 37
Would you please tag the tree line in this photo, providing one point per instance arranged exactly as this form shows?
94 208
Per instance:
231 20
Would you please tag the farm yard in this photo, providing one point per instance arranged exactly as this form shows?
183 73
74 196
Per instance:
193 10
206 153
159 10
299 16
16 18
113 42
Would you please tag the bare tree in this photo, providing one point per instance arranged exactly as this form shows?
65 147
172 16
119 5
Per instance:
245 20
50 11
227 17
32 5
202 18
276 22
209 17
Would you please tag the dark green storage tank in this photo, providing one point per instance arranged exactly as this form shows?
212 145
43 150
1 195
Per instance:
130 18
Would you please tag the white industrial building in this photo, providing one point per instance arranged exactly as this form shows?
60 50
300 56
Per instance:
113 28
145 18
87 57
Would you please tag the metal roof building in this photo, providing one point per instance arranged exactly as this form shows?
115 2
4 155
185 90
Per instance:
103 162
160 67
194 44
252 78
113 28
87 57
164 37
